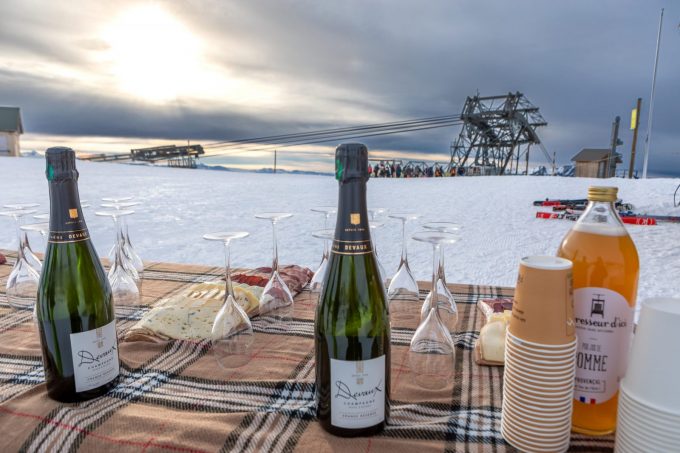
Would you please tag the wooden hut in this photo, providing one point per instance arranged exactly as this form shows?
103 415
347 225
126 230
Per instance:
10 130
596 163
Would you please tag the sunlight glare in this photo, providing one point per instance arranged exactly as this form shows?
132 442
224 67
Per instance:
154 55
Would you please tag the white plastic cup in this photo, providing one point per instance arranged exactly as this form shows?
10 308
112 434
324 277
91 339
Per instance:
645 421
654 369
647 412
640 441
634 428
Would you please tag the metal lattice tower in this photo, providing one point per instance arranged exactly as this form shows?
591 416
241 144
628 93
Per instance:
497 131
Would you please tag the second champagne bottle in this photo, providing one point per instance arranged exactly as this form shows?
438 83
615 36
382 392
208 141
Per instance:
352 331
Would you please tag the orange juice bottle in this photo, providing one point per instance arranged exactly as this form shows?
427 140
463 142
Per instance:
606 269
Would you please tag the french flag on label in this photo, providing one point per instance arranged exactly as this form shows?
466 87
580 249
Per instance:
583 399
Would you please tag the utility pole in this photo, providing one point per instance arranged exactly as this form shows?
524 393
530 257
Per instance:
612 151
634 124
275 161
648 137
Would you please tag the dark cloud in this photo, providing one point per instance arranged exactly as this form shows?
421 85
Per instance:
581 62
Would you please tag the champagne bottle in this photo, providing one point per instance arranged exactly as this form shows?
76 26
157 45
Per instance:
352 331
75 309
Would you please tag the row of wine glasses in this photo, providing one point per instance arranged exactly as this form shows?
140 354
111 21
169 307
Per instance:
22 282
126 269
232 333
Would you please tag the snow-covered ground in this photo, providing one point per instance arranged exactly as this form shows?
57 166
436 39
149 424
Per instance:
497 215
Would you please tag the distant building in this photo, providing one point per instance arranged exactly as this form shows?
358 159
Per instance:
10 130
596 163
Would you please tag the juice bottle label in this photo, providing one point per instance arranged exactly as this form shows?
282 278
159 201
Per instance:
604 325
357 392
95 357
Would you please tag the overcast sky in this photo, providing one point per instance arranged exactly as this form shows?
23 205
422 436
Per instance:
218 70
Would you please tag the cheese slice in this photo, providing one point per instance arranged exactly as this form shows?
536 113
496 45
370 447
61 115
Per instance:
190 314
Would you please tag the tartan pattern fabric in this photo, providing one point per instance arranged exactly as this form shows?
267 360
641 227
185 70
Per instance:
173 396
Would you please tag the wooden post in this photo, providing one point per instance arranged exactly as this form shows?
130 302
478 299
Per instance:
635 134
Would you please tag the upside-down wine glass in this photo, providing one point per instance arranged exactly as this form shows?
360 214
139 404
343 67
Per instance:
432 350
317 279
232 332
374 213
18 212
403 285
320 274
21 287
446 300
276 299
129 250
42 228
373 225
121 262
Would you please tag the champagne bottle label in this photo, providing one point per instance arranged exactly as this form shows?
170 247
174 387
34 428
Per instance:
67 223
604 326
95 357
358 393
352 235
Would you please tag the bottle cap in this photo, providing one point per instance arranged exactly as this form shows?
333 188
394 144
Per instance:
351 162
61 163
596 193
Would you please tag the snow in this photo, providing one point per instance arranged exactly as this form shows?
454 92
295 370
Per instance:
496 213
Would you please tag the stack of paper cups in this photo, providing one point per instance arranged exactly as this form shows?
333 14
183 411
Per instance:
649 396
540 357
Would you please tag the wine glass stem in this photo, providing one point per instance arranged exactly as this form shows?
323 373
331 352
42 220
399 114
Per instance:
435 299
441 271
275 263
404 258
17 223
227 270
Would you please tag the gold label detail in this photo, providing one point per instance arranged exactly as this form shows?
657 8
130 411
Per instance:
355 218
58 237
73 213
352 248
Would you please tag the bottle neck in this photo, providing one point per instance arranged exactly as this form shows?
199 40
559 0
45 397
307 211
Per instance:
603 214
352 230
67 223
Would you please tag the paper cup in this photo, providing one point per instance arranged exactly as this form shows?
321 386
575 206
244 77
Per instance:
527 414
557 409
521 443
534 373
512 414
537 388
529 396
540 347
557 433
653 371
539 357
547 365
543 308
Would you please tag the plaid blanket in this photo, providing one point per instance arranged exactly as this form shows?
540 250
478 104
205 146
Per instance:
173 396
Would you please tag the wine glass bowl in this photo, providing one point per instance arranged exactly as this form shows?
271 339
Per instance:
317 279
445 303
316 283
432 348
22 283
403 285
232 333
276 299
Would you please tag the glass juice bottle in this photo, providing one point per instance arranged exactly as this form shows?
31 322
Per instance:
606 269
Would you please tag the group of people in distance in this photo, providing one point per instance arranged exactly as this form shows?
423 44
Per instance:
395 170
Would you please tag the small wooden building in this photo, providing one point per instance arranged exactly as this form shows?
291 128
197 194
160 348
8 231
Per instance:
10 130
596 163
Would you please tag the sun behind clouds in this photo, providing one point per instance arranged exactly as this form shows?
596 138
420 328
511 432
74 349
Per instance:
154 56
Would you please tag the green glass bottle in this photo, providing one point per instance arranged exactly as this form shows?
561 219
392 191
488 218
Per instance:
75 309
352 330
